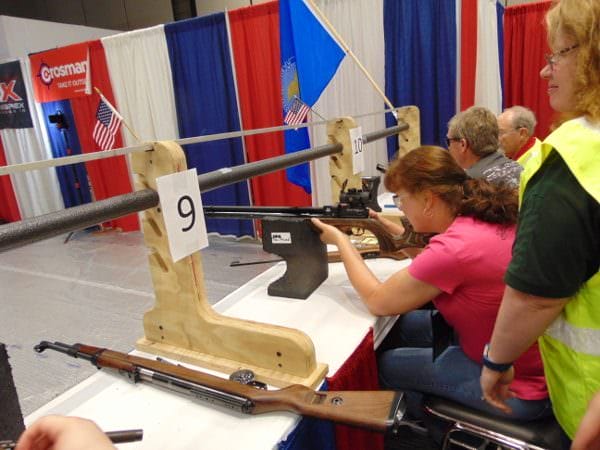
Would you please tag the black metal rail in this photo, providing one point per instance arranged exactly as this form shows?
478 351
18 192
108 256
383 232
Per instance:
27 231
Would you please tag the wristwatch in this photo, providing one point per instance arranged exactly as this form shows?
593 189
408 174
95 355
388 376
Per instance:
496 367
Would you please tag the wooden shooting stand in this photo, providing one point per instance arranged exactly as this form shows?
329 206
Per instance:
340 165
410 139
182 325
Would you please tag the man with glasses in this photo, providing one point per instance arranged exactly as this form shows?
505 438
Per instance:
516 126
473 142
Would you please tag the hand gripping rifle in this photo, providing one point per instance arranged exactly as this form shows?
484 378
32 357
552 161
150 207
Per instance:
379 411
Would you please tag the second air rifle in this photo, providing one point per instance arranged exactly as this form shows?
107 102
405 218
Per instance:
379 411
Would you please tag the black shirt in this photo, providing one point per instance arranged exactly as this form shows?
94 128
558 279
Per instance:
557 247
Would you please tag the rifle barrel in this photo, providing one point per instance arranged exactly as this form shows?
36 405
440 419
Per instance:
262 212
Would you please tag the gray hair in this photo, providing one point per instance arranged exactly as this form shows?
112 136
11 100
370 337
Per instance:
521 117
479 127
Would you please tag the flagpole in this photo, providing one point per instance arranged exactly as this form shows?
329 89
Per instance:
112 108
352 55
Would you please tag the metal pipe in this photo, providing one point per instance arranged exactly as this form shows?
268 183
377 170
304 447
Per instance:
27 231
86 157
380 134
230 175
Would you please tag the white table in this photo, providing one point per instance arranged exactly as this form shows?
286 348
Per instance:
333 316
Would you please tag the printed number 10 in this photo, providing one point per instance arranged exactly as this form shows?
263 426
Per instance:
358 145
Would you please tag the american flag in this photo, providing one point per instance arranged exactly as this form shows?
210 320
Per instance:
297 112
107 124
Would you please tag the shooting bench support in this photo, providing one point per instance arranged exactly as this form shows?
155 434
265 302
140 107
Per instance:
182 324
340 165
295 240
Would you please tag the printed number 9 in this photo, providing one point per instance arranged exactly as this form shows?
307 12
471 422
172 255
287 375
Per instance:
190 211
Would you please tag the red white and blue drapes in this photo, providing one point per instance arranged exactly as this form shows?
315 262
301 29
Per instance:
221 73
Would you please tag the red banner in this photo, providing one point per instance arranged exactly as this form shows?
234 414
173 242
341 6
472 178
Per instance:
61 73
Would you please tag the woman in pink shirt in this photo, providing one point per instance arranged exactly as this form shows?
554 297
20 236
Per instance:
461 271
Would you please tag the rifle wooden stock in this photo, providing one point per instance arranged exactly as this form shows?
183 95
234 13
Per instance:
373 410
388 245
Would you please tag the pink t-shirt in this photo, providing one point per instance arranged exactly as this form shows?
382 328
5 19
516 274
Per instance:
467 262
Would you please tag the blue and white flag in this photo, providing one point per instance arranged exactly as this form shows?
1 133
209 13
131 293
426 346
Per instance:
310 56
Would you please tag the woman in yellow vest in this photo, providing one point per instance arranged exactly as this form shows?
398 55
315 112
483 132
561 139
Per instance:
553 280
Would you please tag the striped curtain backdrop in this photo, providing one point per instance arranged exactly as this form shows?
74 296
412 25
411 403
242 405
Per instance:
221 73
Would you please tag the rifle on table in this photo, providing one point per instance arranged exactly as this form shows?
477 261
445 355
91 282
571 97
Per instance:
374 410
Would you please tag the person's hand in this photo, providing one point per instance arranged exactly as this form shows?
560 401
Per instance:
329 233
373 214
495 387
63 433
393 228
587 436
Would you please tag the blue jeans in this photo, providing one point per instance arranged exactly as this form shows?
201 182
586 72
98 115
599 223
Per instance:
452 375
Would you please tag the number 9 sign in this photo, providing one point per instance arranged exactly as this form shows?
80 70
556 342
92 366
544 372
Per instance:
181 206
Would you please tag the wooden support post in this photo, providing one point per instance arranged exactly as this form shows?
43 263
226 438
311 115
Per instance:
411 138
340 164
183 325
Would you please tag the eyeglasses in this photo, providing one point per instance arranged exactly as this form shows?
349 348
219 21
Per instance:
398 200
449 139
553 58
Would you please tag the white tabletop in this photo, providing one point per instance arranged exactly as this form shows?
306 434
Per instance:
333 316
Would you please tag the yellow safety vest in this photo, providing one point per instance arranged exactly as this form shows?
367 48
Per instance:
570 347
525 156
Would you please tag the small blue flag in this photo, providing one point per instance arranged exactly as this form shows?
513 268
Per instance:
310 56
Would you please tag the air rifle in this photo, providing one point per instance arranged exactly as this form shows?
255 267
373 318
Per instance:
288 232
345 216
379 411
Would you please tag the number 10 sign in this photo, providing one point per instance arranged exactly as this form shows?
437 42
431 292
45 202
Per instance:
358 156
181 206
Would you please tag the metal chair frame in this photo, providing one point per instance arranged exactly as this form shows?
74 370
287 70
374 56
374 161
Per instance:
490 436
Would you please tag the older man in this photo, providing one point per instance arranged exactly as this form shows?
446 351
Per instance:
473 141
516 126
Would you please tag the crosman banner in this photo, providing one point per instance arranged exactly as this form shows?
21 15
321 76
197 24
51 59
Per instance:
14 111
61 73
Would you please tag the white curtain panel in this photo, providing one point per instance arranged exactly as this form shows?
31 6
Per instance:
140 74
37 191
360 24
488 86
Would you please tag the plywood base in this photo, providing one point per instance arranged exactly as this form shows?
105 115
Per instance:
223 365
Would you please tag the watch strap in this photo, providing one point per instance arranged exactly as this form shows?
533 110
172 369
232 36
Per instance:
496 367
